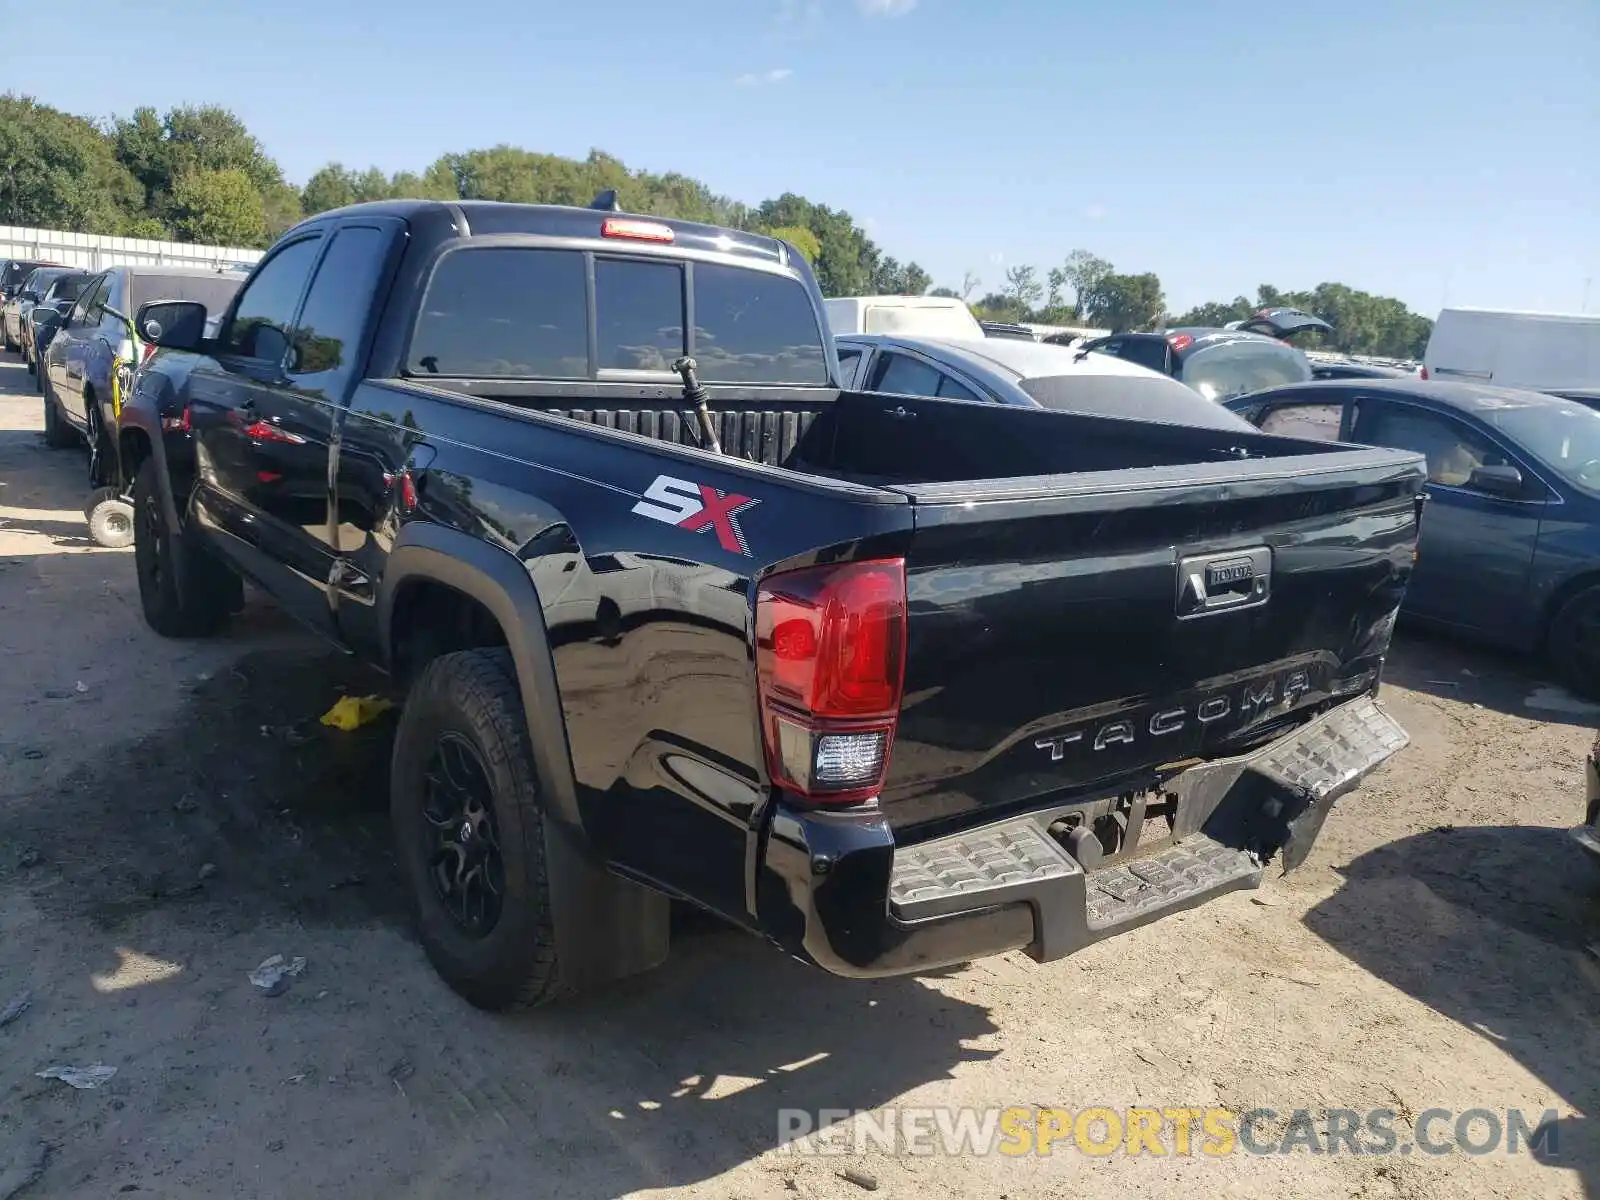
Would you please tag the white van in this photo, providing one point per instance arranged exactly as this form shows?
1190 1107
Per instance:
1543 352
919 316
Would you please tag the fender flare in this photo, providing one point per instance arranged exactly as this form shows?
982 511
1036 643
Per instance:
499 582
138 416
606 926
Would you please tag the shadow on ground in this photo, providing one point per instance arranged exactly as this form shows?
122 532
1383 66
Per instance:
1512 913
671 1078
1436 664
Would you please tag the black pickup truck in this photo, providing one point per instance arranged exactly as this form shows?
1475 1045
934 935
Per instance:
894 682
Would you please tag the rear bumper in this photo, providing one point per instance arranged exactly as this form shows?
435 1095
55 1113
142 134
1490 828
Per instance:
835 890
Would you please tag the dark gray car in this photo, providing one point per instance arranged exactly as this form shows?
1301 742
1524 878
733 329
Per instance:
1510 545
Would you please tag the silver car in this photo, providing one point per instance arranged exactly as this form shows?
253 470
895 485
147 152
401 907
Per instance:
1011 371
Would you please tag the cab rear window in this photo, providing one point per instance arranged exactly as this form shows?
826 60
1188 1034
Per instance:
515 313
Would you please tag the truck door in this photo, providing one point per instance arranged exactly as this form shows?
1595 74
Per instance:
262 466
1476 546
326 357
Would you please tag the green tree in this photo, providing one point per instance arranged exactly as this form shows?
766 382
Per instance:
889 278
218 207
1362 322
1023 289
998 306
146 227
58 172
1120 302
1083 271
333 186
1216 314
195 142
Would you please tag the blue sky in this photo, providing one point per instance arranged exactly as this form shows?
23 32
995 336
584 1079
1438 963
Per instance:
1429 151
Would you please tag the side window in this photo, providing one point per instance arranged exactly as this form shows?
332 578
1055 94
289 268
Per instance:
336 306
1453 451
114 296
502 313
901 375
94 294
1148 352
949 389
1317 422
849 364
1109 346
265 310
755 327
638 312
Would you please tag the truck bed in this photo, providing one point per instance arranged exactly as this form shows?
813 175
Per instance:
899 441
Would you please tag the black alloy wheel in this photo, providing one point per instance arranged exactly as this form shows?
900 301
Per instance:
462 841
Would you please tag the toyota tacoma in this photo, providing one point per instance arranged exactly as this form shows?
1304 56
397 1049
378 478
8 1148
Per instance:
893 682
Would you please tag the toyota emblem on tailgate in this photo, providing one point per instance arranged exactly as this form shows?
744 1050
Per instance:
1209 583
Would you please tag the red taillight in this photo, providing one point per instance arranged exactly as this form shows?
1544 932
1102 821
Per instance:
1180 341
145 356
637 230
830 668
178 424
1424 372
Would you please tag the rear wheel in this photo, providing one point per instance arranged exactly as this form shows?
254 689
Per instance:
102 454
469 833
1574 642
58 435
209 591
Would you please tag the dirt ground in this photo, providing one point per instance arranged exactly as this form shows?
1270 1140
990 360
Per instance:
172 814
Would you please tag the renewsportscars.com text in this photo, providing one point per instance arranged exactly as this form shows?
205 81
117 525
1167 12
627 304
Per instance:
1181 1130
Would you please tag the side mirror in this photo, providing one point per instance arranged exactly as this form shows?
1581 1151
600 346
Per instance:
172 324
1496 481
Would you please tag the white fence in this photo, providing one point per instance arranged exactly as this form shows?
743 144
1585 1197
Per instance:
94 251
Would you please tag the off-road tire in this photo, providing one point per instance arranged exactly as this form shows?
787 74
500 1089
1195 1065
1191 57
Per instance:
210 589
58 435
474 694
1573 645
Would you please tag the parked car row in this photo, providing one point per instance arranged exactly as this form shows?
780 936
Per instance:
1510 546
76 334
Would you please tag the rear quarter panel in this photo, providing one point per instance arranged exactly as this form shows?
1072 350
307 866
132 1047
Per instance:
648 604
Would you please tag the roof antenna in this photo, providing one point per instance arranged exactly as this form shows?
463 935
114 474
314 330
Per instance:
606 201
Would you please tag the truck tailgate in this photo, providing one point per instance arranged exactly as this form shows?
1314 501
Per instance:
1070 637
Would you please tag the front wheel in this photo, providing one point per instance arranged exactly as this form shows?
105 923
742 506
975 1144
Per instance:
469 832
209 591
1574 643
